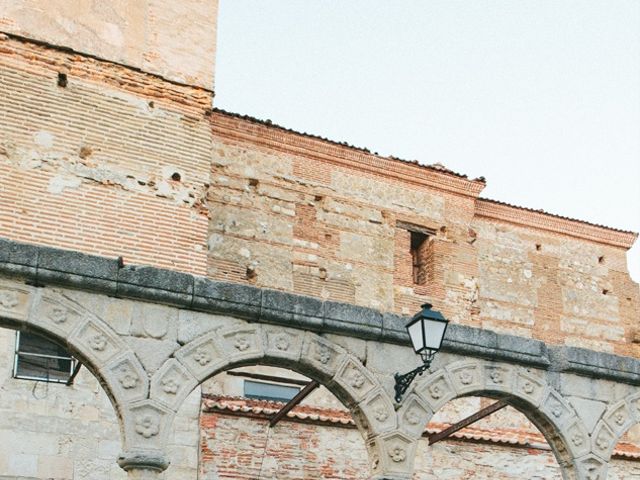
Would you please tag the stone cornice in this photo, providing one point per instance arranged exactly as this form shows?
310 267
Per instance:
44 266
494 210
240 129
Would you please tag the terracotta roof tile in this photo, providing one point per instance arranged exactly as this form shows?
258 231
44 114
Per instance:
555 215
438 167
504 436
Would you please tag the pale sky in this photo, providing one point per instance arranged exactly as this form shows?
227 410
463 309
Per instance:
540 97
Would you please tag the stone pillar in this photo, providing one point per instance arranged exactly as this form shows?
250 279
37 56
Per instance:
143 465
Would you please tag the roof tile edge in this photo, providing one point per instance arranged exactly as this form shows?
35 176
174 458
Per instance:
264 133
496 210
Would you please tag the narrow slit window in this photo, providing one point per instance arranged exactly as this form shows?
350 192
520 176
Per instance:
38 358
419 257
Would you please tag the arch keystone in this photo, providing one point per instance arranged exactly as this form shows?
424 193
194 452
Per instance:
466 377
283 343
242 343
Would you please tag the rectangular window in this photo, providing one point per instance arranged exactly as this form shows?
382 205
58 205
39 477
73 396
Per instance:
419 250
37 358
269 391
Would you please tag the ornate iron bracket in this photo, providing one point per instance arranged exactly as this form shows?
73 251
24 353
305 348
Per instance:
403 381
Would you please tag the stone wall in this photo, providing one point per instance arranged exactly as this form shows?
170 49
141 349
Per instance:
174 39
556 287
296 213
50 430
104 159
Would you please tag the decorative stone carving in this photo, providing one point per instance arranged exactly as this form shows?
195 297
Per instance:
398 454
128 378
380 414
58 314
98 342
496 376
577 439
412 416
528 387
357 379
322 353
466 377
9 299
620 418
241 343
556 409
435 391
282 342
603 442
147 425
202 356
170 385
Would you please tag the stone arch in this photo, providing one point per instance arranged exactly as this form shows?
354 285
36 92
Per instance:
616 420
525 389
98 347
301 351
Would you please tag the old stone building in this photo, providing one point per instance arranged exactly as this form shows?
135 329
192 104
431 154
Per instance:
169 267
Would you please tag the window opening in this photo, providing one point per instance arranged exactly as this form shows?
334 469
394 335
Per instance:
269 391
418 244
38 358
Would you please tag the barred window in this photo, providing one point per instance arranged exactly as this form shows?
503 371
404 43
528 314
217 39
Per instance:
38 358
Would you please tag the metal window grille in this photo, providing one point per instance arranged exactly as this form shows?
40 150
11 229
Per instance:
38 358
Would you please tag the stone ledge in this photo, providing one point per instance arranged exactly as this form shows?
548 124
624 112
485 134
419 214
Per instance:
51 266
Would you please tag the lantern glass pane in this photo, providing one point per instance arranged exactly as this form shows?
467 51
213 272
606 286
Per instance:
415 332
434 332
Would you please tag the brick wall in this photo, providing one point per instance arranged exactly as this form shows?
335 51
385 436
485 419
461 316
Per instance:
115 163
242 447
297 213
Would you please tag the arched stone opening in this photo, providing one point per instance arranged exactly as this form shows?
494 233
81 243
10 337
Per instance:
525 389
308 354
55 430
55 315
619 428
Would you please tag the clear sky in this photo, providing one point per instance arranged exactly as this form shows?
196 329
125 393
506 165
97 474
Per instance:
540 97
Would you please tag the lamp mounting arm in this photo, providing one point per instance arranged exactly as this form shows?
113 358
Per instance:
403 381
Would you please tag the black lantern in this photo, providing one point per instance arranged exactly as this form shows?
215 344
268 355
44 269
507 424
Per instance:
426 331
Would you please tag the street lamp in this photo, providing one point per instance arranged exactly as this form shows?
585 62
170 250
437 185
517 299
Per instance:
426 331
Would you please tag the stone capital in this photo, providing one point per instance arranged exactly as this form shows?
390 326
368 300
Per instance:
151 460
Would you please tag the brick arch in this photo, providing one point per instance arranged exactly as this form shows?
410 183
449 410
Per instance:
301 351
525 389
98 347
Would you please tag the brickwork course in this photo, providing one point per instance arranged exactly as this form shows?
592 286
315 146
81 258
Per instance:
111 148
